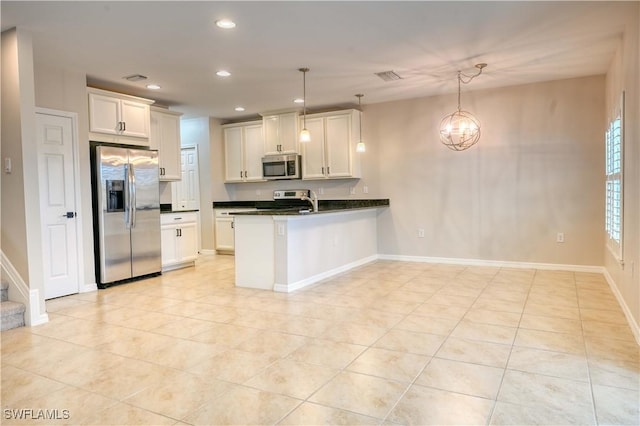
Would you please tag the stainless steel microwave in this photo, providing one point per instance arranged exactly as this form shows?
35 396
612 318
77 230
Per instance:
276 167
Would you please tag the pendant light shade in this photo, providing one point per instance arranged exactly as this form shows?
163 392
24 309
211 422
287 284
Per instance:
460 130
360 147
305 136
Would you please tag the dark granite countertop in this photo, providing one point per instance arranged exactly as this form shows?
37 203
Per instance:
294 207
166 208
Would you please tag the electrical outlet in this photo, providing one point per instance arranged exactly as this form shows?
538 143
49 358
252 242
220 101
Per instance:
560 237
280 229
258 192
321 191
365 189
353 190
420 233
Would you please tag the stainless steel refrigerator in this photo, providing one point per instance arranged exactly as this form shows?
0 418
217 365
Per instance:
126 199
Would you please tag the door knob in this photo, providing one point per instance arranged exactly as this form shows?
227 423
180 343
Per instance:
69 215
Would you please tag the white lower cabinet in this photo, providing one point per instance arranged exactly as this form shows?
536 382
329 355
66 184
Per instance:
179 234
224 234
224 230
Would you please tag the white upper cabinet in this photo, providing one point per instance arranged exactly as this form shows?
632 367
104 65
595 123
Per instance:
280 133
118 118
331 154
313 152
165 137
253 151
243 151
233 159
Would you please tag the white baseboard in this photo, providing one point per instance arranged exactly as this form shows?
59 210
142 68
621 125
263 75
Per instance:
87 288
207 251
19 291
174 266
284 288
494 263
635 328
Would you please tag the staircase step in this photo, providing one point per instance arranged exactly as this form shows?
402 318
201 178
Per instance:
4 291
11 315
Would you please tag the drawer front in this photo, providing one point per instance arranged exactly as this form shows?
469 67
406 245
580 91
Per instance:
178 218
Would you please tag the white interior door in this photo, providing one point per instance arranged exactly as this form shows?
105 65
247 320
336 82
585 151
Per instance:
186 192
57 204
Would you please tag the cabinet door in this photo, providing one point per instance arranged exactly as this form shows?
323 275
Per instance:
288 132
271 134
169 149
338 143
168 235
224 233
155 135
234 169
187 242
253 152
104 114
136 119
313 160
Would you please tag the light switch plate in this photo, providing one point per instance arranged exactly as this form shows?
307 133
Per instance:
7 165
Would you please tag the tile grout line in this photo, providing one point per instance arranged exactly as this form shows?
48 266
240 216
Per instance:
594 409
506 365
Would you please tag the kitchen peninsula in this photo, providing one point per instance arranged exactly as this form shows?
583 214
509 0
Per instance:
288 249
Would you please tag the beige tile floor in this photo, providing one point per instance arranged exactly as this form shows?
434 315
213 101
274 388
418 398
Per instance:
387 343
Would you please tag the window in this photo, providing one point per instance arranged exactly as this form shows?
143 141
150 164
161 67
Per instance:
614 164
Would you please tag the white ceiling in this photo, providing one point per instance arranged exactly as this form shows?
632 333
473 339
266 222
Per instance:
177 45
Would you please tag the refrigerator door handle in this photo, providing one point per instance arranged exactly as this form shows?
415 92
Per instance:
127 196
133 193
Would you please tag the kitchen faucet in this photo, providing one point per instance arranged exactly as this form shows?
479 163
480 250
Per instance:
313 200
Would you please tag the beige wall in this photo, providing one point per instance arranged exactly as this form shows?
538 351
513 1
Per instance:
624 76
14 231
21 233
65 90
198 132
536 171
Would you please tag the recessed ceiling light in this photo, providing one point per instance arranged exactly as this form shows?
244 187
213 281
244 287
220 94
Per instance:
226 24
153 86
223 73
298 101
239 108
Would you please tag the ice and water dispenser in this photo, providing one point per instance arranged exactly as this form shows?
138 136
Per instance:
115 195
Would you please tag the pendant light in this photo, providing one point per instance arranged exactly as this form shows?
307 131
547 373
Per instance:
360 147
305 136
460 130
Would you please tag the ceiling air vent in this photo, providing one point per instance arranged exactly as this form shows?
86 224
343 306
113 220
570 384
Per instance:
388 75
135 77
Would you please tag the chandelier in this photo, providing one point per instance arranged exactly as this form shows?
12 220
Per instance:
460 130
